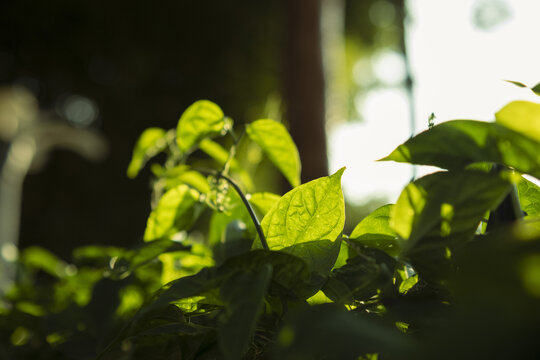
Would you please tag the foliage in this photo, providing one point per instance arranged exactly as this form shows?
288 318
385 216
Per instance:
419 279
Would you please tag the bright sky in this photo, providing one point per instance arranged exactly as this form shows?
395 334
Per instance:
458 70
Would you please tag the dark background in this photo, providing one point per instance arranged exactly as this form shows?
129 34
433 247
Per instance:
142 64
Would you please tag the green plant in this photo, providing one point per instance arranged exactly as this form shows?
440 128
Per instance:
419 279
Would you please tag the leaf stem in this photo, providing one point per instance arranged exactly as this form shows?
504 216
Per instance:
249 209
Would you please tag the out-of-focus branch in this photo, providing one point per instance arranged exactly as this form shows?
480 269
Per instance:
28 136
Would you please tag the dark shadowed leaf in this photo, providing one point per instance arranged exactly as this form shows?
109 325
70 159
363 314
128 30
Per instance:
329 331
243 295
536 89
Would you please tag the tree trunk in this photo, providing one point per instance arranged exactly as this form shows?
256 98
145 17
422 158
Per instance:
304 85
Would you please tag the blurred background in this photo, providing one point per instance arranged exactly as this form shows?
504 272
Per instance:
351 78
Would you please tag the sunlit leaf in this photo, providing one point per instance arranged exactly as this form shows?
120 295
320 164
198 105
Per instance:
176 210
202 119
517 83
522 117
263 201
375 231
458 143
278 145
221 156
243 295
446 203
307 220
151 142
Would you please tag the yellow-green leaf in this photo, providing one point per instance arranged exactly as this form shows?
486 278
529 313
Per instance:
151 142
176 210
202 119
307 220
278 145
522 117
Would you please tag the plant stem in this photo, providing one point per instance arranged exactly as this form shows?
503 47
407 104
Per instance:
249 208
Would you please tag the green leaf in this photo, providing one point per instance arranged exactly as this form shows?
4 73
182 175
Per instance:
202 119
263 201
536 89
176 210
307 220
517 83
445 203
522 117
243 295
129 260
529 200
278 145
375 231
236 241
455 144
221 156
151 142
362 276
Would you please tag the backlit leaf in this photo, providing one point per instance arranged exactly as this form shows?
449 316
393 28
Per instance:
307 220
202 119
263 201
458 143
375 231
517 83
151 142
445 203
278 145
176 210
522 117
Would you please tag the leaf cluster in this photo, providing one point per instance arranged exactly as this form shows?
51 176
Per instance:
451 270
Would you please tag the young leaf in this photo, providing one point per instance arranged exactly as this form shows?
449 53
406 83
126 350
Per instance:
522 117
243 295
202 119
458 143
375 231
517 83
175 211
151 142
278 145
220 155
307 220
